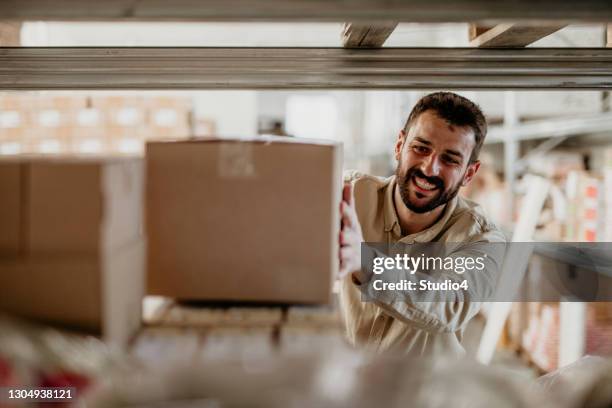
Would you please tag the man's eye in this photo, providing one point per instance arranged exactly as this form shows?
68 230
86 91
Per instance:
450 160
420 149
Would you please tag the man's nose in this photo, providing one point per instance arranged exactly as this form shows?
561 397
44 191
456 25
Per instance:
430 166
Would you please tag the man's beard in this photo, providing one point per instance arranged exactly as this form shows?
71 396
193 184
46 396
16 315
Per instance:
443 195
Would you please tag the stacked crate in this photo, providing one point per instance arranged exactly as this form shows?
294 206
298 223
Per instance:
607 172
93 123
541 338
599 329
585 210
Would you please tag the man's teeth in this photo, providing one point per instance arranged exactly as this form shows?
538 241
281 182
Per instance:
424 184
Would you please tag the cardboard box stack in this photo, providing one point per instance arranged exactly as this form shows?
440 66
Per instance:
71 244
541 337
599 329
89 123
584 210
589 203
243 219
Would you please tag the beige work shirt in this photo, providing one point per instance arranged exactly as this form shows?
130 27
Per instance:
407 326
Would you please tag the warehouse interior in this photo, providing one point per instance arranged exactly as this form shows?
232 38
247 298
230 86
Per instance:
92 297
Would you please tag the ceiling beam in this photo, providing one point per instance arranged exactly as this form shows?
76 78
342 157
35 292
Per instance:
553 128
362 35
510 34
474 30
310 10
304 68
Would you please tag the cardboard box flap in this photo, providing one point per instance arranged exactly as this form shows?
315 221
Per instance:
265 139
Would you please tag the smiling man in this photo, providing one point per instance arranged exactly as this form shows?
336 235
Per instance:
437 154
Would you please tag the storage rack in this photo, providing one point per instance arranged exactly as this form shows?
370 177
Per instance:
369 23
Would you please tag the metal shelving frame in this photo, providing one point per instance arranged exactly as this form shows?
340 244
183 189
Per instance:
312 68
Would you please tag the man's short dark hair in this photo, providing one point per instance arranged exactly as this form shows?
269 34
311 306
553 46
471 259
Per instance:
457 111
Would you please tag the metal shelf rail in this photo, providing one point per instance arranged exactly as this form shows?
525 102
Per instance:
30 68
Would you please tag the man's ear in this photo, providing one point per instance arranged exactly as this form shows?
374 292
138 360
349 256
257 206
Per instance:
471 171
401 138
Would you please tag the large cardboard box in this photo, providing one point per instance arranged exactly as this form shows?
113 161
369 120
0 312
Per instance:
71 242
243 219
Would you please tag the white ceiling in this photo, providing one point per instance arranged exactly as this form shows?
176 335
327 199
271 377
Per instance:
268 35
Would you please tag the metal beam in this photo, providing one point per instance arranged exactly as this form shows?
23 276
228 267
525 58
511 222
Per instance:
553 128
310 10
304 68
358 35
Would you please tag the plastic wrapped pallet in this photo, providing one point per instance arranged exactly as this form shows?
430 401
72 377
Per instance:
327 379
223 343
174 314
166 346
587 383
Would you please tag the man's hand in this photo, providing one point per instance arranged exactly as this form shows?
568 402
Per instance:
350 237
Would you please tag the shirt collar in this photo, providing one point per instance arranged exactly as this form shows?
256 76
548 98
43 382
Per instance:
392 222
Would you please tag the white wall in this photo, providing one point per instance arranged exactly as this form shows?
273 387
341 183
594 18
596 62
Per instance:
181 34
234 112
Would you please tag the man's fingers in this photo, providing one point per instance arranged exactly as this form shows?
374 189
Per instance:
348 238
344 238
349 260
342 273
346 215
345 253
347 193
343 270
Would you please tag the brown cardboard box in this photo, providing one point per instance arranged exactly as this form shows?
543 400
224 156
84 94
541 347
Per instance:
82 206
72 249
10 208
243 220
101 295
15 133
68 102
13 101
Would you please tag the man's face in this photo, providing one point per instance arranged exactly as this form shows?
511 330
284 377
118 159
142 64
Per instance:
433 162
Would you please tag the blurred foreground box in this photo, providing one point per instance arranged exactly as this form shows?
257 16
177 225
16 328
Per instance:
243 219
71 243
97 295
